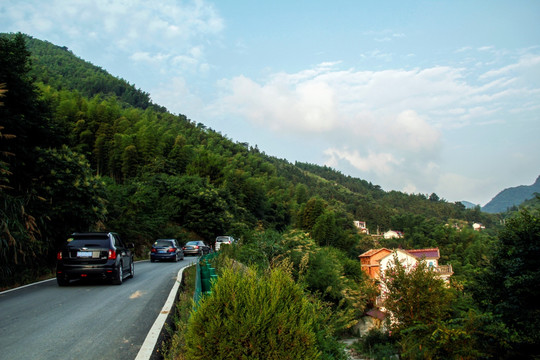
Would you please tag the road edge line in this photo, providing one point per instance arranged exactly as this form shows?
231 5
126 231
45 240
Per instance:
27 285
147 348
39 282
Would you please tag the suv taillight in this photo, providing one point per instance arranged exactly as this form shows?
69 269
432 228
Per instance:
59 255
112 255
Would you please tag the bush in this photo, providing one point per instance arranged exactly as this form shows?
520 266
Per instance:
249 317
377 345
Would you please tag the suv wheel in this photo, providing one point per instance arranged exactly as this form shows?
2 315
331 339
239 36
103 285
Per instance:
131 270
62 281
119 275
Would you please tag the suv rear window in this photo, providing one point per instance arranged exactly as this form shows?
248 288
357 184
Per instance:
102 243
163 243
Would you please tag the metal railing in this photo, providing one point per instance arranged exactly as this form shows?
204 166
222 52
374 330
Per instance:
205 277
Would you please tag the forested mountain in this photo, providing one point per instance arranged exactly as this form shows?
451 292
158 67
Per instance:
58 67
532 204
82 150
512 197
92 152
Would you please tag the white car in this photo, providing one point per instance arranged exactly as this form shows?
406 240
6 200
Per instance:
223 240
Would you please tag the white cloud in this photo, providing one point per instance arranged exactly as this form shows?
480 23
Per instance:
459 187
177 96
390 124
149 58
157 31
526 64
486 48
412 133
378 163
283 104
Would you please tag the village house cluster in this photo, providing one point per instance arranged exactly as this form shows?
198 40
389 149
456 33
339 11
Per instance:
375 262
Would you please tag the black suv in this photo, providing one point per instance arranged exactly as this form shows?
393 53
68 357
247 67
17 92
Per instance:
100 255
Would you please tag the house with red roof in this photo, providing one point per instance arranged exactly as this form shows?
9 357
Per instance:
370 261
374 261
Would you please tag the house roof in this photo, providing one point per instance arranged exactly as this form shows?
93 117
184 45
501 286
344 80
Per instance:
376 313
372 252
428 253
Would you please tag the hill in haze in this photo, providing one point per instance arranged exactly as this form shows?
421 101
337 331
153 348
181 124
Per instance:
511 197
468 204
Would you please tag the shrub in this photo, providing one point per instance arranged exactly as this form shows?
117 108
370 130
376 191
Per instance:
249 317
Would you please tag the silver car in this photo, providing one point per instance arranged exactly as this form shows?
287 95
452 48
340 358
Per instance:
196 247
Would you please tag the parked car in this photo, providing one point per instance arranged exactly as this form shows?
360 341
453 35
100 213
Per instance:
101 255
221 240
166 249
196 247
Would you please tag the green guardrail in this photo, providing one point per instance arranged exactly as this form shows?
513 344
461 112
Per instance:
206 276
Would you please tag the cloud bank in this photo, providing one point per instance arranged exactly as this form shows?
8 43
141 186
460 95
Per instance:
393 126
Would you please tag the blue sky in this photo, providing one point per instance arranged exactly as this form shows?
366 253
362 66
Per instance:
414 96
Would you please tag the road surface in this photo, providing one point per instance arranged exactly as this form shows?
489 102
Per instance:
91 320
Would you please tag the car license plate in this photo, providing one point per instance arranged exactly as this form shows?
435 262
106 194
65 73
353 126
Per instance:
162 251
84 254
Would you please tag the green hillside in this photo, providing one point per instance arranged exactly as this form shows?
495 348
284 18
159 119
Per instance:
138 169
58 67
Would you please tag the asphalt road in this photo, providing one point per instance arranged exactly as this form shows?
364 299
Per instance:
90 320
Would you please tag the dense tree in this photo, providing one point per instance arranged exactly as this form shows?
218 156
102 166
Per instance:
414 295
508 287
72 196
421 316
51 190
23 114
325 230
310 212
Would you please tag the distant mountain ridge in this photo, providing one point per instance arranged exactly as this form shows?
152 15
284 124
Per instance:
510 197
468 204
